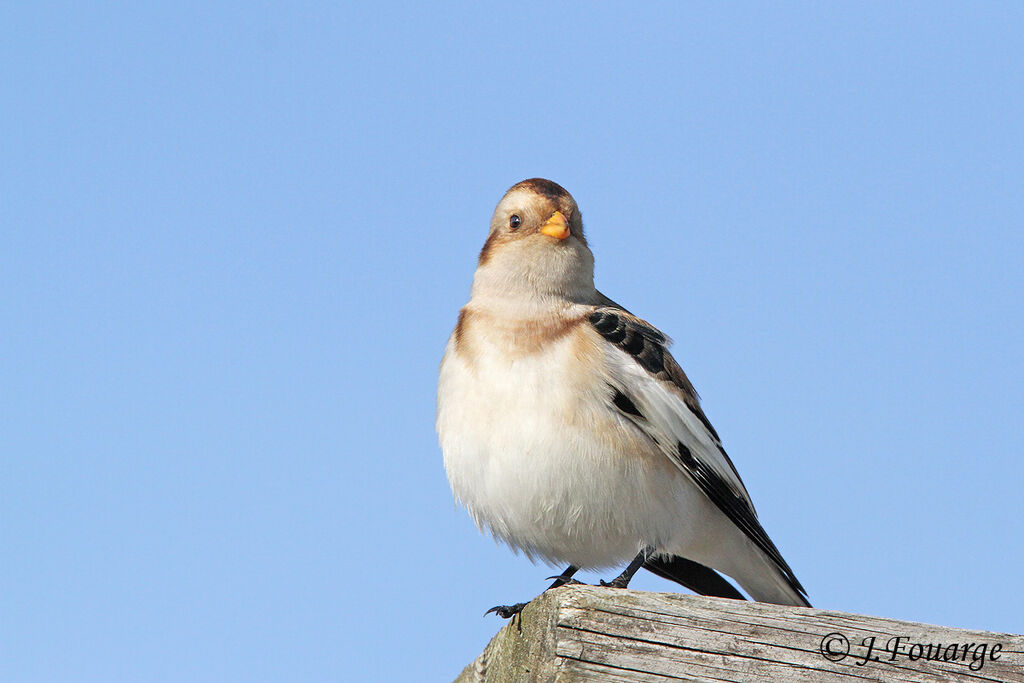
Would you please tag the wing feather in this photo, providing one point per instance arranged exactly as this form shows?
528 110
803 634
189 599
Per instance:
650 388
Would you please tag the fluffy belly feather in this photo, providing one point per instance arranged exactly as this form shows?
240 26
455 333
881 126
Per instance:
545 473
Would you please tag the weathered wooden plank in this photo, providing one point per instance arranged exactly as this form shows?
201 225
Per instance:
587 633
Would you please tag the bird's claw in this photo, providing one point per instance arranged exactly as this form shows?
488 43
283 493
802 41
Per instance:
506 611
567 582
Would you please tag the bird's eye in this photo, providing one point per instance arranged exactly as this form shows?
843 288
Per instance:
515 221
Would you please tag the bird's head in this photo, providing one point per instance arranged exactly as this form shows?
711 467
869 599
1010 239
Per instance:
536 245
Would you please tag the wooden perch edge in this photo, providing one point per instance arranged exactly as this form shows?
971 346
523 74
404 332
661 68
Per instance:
587 633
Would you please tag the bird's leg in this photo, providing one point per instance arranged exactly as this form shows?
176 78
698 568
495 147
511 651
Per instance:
564 578
622 580
506 611
510 611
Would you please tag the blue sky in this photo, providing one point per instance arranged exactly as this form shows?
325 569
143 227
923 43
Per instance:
236 236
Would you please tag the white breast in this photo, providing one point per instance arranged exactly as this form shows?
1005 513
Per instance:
533 452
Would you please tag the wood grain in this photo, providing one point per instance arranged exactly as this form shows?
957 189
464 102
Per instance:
587 633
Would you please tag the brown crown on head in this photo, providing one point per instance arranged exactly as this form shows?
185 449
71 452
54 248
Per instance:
542 186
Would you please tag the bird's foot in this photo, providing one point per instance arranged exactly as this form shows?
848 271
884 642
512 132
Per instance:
622 580
617 582
511 611
567 582
506 611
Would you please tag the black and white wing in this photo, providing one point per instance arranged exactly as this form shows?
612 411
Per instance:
652 390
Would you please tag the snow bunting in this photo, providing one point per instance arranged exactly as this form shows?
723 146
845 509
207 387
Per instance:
571 434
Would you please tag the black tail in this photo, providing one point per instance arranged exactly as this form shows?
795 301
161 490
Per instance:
696 577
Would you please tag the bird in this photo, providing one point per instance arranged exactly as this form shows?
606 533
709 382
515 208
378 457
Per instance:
571 434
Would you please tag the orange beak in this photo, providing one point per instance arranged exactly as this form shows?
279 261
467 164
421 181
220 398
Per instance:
556 226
